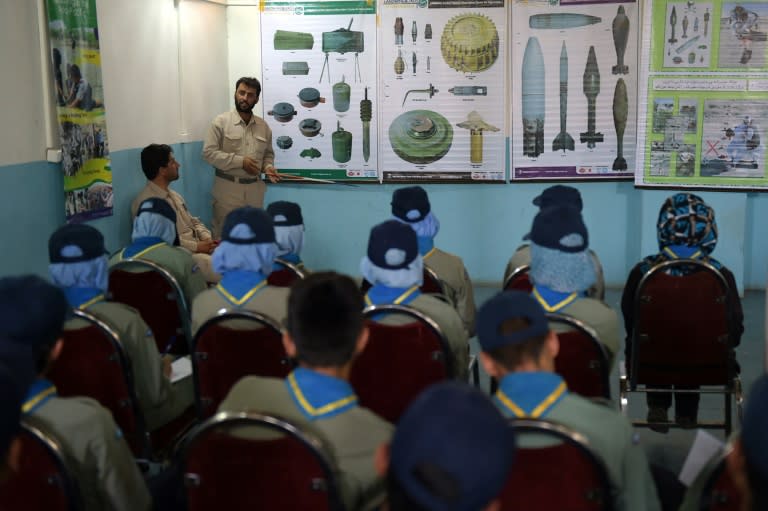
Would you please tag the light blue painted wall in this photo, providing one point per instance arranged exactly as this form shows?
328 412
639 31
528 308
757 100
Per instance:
482 223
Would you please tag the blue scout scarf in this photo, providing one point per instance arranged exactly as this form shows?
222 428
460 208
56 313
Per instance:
38 394
380 294
83 297
289 258
142 246
319 396
553 301
426 246
239 286
530 394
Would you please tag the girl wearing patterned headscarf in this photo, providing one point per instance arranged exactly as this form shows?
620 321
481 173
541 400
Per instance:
686 229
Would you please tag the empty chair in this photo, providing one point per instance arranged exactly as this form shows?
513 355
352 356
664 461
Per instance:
45 480
245 461
681 337
156 294
555 469
230 346
582 360
400 360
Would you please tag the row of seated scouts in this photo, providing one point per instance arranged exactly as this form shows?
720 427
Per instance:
431 460
518 347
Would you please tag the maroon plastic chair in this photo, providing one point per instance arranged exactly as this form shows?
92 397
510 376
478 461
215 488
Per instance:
286 276
157 295
681 336
93 363
563 474
44 480
224 352
582 361
400 360
246 461
720 492
519 280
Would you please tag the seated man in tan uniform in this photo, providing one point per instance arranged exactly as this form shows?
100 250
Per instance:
411 206
79 268
162 169
325 331
155 239
244 259
32 313
395 268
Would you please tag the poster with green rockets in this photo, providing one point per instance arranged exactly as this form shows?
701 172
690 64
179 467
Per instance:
443 90
704 95
574 92
320 87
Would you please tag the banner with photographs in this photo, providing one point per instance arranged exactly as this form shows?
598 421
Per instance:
443 90
320 87
74 41
574 89
704 95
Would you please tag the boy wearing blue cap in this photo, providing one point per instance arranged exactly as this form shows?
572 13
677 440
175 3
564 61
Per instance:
395 268
558 195
155 239
411 205
245 258
438 463
519 350
325 331
562 271
79 268
32 313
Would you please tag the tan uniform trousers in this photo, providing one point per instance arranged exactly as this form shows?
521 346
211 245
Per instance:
203 262
229 195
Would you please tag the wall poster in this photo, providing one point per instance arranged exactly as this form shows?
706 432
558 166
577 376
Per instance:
74 40
574 89
320 87
704 95
442 99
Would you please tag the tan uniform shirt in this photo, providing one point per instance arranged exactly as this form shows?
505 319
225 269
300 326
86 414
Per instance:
190 229
106 472
271 301
451 270
159 399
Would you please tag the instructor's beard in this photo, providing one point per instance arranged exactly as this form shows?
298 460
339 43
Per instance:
247 109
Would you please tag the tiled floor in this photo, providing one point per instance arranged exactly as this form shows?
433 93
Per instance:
670 449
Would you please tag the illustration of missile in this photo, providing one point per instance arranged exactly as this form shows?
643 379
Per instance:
413 62
476 125
533 99
366 113
399 30
562 20
685 27
591 90
414 31
563 140
696 24
620 112
673 23
706 22
620 37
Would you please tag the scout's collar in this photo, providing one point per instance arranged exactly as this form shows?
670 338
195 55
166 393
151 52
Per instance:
426 246
382 295
38 394
319 396
551 300
141 246
530 394
239 286
83 297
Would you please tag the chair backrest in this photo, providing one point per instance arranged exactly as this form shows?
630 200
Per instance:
244 461
44 479
562 472
232 345
680 333
582 360
287 275
720 492
150 288
519 279
93 363
400 360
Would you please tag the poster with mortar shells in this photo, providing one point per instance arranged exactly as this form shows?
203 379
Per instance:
320 87
442 90
704 96
574 89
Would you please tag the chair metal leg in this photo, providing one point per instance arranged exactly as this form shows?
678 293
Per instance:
728 413
623 395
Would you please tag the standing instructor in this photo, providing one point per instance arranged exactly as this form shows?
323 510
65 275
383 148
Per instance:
239 146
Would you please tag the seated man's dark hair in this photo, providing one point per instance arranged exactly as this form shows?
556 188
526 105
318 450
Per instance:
512 355
153 157
250 82
325 319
